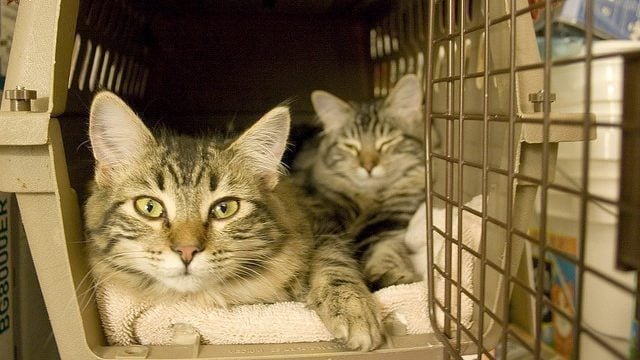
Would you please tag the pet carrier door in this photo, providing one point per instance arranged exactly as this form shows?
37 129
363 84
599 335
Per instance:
506 115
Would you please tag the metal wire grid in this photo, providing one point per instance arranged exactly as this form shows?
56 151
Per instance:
580 329
484 153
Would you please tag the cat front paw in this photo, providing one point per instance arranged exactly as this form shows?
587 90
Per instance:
380 278
353 318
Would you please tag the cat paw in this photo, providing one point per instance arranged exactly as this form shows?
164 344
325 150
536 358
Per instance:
353 319
388 263
393 276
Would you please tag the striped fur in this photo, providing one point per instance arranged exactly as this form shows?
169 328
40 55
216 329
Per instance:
367 173
265 252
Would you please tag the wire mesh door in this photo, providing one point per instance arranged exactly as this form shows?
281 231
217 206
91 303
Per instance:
526 188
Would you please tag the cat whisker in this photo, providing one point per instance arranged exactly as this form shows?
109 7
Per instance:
80 296
89 272
256 276
106 259
242 270
96 283
85 298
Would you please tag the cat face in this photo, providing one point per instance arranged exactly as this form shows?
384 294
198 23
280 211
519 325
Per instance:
179 213
372 144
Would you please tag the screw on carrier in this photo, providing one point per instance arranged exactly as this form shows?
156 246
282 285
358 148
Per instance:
537 99
20 98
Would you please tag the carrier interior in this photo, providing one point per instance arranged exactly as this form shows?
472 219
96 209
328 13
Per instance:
214 66
208 66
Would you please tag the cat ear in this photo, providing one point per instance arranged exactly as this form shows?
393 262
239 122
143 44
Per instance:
264 143
404 104
118 136
406 95
332 111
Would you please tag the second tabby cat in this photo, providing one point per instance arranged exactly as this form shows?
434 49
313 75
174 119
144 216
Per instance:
367 173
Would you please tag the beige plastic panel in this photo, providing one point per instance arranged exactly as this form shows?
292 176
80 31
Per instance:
41 52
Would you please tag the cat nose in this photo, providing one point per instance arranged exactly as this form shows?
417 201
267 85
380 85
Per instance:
369 166
369 159
368 163
186 252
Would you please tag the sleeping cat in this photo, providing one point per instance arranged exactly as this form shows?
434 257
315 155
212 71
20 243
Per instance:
171 217
367 173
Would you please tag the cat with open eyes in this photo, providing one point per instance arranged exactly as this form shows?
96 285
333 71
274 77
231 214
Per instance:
171 217
366 171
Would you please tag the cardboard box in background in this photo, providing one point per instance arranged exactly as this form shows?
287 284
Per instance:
31 319
23 315
560 287
6 285
612 19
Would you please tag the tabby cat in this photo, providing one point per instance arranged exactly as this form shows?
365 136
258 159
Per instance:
171 217
367 172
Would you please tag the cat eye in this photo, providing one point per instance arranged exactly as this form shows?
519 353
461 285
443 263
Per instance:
225 208
384 146
149 207
352 147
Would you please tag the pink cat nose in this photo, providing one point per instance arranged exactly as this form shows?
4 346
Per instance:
186 252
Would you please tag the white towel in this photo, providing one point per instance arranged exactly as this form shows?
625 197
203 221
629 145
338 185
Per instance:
127 321
471 234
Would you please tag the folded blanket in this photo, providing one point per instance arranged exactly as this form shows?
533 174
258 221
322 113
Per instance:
128 321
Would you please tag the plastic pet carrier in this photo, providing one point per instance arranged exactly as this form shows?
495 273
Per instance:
532 152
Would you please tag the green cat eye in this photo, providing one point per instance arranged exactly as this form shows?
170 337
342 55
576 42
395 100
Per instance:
225 208
149 207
